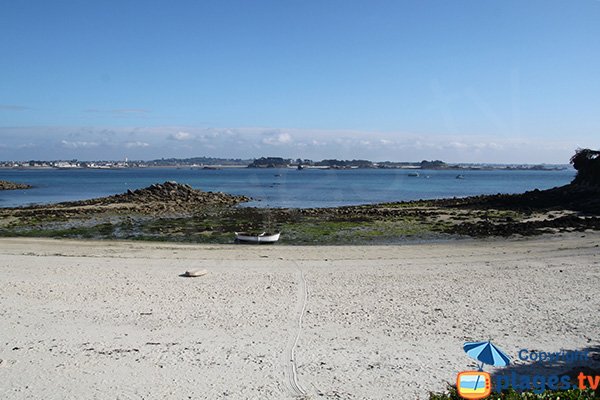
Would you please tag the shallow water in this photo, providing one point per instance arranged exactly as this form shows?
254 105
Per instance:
279 187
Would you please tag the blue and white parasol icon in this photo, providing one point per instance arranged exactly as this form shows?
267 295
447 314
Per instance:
486 353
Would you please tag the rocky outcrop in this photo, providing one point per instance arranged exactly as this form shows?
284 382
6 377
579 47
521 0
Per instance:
169 192
580 198
526 228
6 185
169 198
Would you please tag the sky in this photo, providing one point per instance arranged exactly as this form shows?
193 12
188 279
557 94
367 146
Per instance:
510 81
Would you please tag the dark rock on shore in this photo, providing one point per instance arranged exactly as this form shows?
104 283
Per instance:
166 195
526 228
582 194
582 198
169 198
6 185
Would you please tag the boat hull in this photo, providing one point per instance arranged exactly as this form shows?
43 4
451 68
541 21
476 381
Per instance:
264 238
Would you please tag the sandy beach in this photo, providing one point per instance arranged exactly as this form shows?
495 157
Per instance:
115 320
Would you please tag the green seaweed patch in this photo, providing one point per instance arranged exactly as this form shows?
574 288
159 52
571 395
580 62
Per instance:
102 231
408 204
352 232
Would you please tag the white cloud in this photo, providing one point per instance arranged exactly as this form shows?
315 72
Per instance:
78 144
131 145
27 146
458 145
277 139
155 142
495 146
181 136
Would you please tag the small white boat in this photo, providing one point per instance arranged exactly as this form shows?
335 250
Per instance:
413 174
257 238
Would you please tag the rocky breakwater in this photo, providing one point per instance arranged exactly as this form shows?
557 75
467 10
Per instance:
6 185
165 197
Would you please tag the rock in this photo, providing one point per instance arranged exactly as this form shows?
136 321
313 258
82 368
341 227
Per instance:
6 185
168 197
195 273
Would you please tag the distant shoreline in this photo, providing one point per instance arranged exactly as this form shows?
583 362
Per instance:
274 163
218 166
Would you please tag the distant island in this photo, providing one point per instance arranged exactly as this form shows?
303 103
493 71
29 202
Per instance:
272 162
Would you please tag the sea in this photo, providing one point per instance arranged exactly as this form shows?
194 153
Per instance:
280 187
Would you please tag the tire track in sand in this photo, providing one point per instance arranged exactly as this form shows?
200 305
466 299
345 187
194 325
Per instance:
290 367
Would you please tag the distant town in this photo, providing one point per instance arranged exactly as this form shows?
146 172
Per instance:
268 162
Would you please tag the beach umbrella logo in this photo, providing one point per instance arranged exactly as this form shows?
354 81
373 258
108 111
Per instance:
475 385
486 353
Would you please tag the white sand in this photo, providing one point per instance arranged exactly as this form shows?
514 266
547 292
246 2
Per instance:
106 320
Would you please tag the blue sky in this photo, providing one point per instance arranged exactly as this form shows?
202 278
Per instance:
463 81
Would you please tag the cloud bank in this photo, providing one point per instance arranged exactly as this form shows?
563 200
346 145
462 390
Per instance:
85 143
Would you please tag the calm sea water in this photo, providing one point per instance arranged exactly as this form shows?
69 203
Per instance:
279 187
